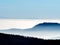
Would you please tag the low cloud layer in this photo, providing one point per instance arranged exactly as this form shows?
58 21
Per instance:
21 23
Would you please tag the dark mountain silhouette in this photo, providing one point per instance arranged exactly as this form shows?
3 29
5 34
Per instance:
45 26
7 39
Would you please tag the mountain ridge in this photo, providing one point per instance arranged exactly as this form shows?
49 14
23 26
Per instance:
7 39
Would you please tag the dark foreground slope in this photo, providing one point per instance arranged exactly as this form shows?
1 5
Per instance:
6 39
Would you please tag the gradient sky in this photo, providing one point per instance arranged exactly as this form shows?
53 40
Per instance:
30 9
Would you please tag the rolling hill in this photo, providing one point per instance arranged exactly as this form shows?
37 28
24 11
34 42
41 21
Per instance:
7 39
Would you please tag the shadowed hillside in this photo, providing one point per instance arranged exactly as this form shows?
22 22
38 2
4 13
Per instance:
45 26
6 39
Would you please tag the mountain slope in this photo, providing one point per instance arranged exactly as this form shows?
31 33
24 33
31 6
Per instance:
45 26
6 39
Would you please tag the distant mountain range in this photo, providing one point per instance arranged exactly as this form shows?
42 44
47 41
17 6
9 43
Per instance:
45 26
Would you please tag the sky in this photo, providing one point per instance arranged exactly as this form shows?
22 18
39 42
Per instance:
30 9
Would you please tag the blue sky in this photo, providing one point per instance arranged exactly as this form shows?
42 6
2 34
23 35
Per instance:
30 9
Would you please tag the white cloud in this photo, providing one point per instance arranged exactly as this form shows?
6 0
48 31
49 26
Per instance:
16 23
21 23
